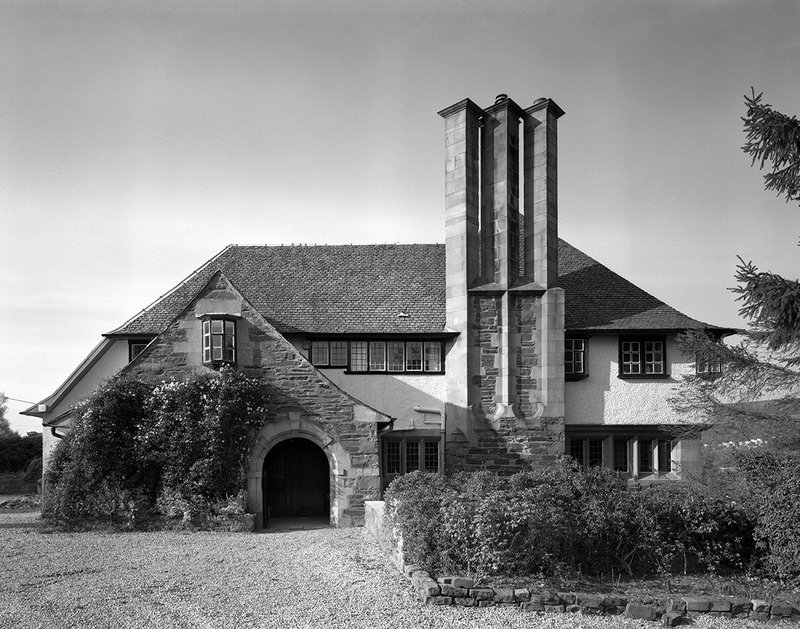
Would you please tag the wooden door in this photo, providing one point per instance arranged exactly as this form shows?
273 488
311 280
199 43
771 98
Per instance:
297 480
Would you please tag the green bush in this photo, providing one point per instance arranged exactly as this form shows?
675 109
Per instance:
132 443
561 521
774 481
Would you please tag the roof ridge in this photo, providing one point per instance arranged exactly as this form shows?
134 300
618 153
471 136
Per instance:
322 244
180 284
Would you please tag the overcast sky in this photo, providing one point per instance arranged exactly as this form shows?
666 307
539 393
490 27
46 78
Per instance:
138 139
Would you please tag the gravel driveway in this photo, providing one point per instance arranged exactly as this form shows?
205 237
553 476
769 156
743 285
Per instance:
317 578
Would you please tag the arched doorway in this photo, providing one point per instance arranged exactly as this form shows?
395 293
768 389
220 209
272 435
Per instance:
296 480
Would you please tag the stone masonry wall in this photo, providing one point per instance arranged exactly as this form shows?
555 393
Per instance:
507 444
297 389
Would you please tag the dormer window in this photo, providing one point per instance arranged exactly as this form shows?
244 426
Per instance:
219 340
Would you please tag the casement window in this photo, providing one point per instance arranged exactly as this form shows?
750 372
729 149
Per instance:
642 357
380 356
219 340
404 455
574 358
634 455
710 367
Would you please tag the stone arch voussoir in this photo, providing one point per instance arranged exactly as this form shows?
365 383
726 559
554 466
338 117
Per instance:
293 427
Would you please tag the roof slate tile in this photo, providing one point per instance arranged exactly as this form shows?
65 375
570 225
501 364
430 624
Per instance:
362 289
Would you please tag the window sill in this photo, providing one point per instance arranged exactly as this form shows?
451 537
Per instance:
644 376
219 364
574 377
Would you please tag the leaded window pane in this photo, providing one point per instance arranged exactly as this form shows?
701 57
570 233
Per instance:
414 356
412 456
576 450
377 356
433 356
595 448
358 356
338 353
391 459
319 353
395 355
431 456
216 326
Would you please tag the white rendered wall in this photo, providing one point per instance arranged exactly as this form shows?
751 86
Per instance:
394 395
114 359
604 398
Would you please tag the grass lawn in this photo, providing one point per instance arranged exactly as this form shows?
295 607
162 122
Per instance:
316 578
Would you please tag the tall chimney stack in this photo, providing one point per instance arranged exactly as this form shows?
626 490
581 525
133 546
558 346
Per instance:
505 368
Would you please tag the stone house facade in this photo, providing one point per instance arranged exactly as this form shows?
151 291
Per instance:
503 348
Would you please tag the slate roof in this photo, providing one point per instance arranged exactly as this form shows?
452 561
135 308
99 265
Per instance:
361 289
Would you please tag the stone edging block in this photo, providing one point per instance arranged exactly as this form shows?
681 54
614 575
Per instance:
464 592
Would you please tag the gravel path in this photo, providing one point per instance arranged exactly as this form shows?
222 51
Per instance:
318 578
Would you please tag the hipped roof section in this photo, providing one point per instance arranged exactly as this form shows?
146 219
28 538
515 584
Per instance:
394 289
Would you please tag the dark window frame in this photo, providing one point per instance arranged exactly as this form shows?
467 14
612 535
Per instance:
136 342
707 368
207 321
641 352
575 374
423 455
366 344
617 453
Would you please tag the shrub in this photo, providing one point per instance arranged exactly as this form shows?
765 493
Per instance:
560 521
774 480
132 442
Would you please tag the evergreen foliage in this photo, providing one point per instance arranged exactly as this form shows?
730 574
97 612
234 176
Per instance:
765 365
136 450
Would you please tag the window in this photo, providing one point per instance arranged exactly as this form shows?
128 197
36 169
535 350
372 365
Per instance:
401 456
358 355
708 367
219 340
633 454
135 347
643 357
414 356
380 356
574 357
396 353
338 353
377 356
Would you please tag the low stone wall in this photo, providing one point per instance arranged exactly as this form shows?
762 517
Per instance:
452 590
464 592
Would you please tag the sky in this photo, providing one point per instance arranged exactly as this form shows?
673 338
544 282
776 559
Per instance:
138 139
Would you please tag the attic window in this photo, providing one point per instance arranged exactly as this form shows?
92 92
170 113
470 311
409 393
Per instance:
219 340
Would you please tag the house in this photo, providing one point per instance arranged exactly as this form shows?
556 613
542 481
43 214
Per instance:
502 348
